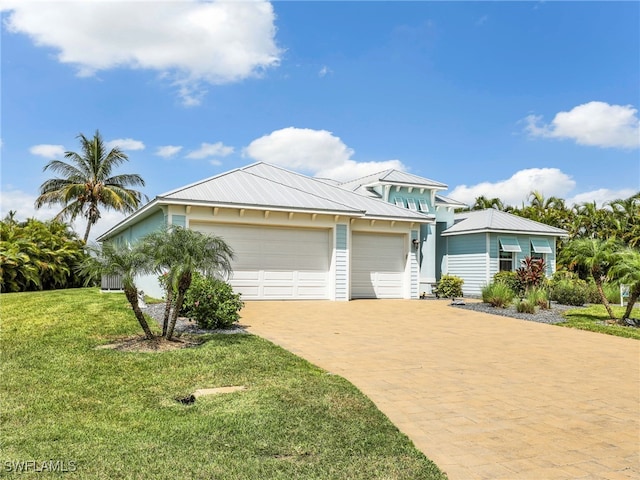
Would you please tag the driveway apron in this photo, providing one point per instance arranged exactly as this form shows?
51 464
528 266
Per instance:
483 396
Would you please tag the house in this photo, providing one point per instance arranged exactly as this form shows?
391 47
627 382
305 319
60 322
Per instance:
481 243
388 235
294 237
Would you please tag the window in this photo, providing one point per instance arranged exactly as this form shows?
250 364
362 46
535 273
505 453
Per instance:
411 203
506 261
508 247
399 202
424 207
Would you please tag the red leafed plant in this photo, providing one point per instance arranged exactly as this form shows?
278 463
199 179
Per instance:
531 274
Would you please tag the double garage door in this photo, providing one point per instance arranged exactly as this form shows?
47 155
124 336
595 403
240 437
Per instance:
276 263
293 263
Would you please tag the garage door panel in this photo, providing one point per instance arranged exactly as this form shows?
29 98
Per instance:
275 262
378 264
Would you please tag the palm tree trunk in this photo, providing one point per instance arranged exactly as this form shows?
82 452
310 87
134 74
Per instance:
167 310
633 297
603 297
174 314
132 296
86 232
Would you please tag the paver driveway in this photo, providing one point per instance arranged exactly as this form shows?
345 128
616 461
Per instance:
483 396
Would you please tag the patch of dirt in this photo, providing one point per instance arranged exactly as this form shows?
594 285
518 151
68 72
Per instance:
141 344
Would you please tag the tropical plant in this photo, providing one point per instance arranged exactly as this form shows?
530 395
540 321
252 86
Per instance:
125 261
627 271
596 257
525 306
86 183
37 255
211 302
568 291
532 273
179 253
538 297
509 279
497 295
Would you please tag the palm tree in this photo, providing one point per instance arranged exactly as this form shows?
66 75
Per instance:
86 183
597 257
178 253
627 271
483 203
125 261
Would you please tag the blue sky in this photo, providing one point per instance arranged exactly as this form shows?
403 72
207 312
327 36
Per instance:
491 98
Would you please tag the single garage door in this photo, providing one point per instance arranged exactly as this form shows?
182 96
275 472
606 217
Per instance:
377 265
276 263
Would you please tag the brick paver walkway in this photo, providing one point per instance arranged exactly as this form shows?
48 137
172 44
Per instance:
485 397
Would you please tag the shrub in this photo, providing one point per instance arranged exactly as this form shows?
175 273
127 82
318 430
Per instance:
211 303
497 295
612 292
450 286
525 306
532 273
569 292
509 279
538 297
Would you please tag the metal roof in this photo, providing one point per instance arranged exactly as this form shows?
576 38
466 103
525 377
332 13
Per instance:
298 184
442 200
268 187
492 220
394 177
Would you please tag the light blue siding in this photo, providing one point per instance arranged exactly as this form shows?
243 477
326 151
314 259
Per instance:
525 245
342 263
179 220
138 230
414 195
467 259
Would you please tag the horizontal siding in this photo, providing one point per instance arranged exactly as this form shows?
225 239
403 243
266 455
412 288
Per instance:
138 230
525 245
342 263
467 260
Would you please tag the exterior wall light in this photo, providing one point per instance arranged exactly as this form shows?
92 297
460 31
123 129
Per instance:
416 243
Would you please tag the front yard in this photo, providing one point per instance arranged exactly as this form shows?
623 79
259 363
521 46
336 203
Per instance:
107 414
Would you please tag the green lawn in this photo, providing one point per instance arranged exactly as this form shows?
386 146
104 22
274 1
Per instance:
112 415
591 318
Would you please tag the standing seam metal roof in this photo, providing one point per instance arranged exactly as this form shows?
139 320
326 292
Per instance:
498 221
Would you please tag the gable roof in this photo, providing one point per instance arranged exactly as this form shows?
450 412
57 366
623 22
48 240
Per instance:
492 220
267 187
442 200
394 177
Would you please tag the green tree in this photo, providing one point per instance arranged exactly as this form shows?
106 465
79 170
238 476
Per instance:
87 184
179 252
483 203
627 271
125 261
597 257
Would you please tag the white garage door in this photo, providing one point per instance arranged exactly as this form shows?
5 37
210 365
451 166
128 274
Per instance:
276 263
377 265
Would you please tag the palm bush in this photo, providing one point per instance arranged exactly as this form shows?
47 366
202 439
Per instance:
497 295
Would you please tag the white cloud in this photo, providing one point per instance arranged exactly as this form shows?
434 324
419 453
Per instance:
125 144
23 204
217 149
551 182
324 71
190 42
601 196
49 152
318 152
594 124
167 151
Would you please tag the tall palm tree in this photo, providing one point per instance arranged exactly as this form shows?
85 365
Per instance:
125 261
179 252
627 271
597 257
86 183
483 203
